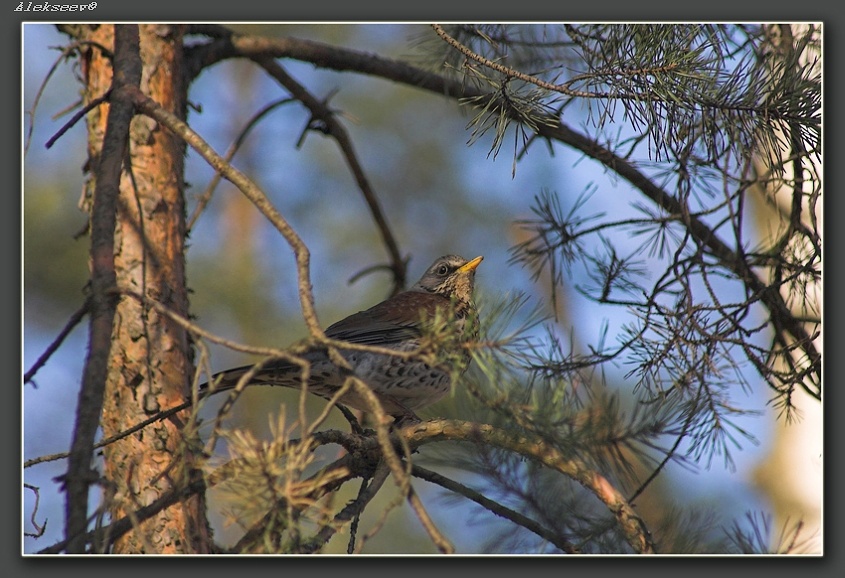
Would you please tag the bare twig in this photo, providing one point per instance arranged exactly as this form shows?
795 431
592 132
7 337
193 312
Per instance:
31 112
204 198
51 349
150 108
431 529
111 439
324 117
401 474
670 453
66 51
127 64
39 528
78 116
494 507
351 510
382 519
120 527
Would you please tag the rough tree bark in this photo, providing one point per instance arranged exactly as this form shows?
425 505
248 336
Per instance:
149 363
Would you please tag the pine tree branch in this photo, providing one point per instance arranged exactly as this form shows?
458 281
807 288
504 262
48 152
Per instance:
229 45
367 451
512 73
632 526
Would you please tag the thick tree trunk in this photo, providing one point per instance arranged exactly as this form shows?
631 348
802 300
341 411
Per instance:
149 363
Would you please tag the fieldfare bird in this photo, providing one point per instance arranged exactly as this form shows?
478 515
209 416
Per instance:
442 296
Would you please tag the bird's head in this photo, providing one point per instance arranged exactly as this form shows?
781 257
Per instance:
451 276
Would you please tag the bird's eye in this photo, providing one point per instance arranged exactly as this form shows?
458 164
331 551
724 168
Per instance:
442 270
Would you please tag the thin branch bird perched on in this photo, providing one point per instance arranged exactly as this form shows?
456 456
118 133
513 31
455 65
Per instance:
403 385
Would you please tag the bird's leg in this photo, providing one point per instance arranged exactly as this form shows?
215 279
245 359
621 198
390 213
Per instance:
350 417
404 418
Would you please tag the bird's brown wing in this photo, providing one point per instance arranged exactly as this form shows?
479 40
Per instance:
390 322
386 324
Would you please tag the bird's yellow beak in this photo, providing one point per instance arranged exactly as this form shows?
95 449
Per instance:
470 266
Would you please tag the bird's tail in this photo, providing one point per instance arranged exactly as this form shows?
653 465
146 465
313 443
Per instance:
278 373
